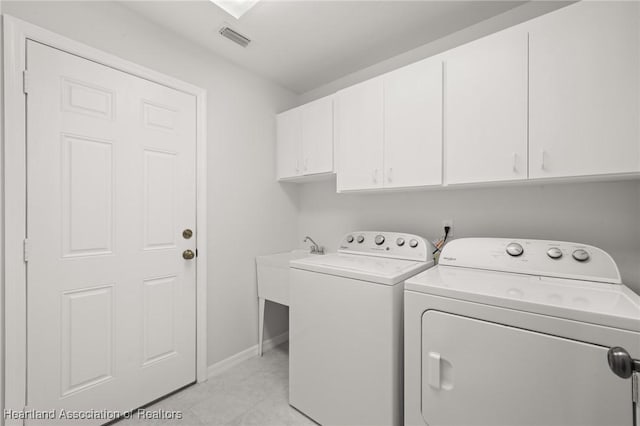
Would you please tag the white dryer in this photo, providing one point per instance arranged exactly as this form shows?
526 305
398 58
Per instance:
517 332
345 328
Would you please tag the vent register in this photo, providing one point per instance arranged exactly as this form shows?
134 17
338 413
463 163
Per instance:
235 36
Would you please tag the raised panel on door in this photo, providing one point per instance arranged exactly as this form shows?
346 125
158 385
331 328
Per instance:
289 140
111 185
486 109
508 376
359 136
317 136
413 125
585 90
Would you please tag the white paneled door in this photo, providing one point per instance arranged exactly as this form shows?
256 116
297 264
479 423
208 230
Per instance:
111 187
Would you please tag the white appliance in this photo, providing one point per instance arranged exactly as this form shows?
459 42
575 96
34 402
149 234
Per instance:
345 348
517 332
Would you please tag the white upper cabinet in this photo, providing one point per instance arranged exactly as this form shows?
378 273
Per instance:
413 125
584 90
486 109
305 140
359 136
289 130
317 136
557 96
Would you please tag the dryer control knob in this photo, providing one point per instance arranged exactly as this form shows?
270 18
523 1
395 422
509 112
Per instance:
581 255
554 253
514 249
379 240
400 242
350 239
361 239
413 243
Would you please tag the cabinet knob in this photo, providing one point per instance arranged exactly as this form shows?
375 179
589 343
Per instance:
515 163
390 175
542 158
375 176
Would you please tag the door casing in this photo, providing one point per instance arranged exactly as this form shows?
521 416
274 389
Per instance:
13 355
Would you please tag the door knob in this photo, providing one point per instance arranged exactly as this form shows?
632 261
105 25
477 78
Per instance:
188 254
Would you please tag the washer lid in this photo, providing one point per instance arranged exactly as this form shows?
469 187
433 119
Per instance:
613 305
379 270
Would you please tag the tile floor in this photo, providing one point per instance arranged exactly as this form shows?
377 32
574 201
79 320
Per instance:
254 392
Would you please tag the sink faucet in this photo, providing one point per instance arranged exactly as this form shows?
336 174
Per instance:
315 248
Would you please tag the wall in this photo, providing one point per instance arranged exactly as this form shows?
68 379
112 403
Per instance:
249 213
603 214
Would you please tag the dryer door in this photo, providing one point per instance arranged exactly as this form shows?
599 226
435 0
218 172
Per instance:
481 373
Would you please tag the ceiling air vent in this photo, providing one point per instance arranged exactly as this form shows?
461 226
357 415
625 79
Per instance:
235 36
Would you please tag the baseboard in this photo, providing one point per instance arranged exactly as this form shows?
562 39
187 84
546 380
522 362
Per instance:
233 360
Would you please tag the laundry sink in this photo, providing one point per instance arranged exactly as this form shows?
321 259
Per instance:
281 260
273 280
273 275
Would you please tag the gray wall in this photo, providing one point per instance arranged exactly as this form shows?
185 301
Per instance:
603 214
249 213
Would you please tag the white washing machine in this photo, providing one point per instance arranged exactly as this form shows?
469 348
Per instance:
345 328
517 332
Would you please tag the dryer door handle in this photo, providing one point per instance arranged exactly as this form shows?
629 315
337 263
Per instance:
433 370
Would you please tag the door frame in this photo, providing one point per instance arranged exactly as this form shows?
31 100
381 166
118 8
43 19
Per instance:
16 33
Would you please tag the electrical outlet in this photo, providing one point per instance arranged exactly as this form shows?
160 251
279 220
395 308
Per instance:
449 223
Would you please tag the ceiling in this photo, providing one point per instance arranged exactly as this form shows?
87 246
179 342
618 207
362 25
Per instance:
303 44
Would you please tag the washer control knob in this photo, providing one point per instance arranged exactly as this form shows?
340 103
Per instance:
360 239
400 242
413 243
350 238
581 255
514 249
379 240
554 253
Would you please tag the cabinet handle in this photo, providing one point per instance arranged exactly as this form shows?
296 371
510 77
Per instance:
390 175
515 163
306 164
375 176
542 157
297 166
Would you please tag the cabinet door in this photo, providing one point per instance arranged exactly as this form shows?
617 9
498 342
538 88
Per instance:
317 136
359 115
584 89
289 139
413 125
486 109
